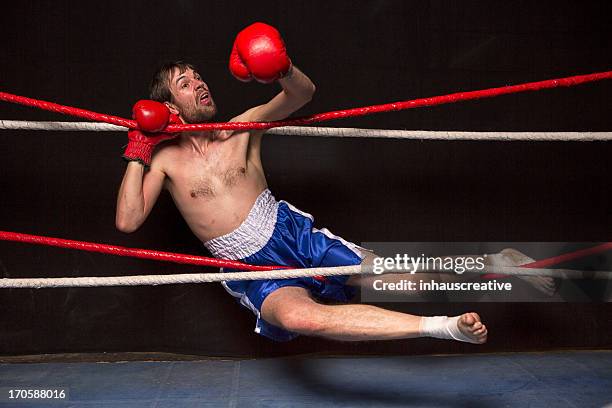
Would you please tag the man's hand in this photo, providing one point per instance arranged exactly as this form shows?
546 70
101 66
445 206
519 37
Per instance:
259 52
151 116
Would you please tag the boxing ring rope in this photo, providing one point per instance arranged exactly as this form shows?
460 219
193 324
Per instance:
130 252
320 117
264 272
340 132
154 280
257 272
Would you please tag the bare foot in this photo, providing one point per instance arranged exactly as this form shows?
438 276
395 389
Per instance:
512 257
472 328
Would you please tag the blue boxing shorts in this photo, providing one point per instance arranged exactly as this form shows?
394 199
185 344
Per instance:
277 233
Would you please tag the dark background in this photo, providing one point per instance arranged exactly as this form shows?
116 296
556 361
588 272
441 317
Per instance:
100 56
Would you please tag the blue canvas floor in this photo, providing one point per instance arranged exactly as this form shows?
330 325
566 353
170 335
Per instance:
558 379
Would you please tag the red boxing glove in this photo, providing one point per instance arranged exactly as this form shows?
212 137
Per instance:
259 52
141 144
151 116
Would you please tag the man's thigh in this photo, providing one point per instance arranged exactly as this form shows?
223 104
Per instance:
288 299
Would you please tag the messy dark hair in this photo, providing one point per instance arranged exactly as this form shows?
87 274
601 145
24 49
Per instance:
159 89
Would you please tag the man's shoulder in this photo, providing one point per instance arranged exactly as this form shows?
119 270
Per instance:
164 155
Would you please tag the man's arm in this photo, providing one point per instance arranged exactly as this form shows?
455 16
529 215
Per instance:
297 91
140 188
137 195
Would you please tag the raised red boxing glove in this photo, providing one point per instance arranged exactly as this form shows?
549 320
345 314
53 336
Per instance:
259 52
151 116
237 67
141 144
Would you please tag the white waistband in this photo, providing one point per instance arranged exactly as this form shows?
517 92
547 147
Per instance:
252 235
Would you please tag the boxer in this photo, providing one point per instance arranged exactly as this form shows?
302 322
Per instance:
216 178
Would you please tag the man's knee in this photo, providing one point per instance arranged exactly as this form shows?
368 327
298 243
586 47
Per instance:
508 257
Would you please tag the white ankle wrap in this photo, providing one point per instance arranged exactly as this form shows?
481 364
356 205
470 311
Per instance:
443 327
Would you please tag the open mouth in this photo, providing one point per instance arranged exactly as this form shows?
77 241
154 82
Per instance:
204 98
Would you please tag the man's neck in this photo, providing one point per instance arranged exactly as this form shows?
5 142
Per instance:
196 140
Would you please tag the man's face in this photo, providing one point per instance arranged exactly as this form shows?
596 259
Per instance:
191 96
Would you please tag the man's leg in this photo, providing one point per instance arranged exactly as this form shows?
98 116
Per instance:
293 309
506 257
512 257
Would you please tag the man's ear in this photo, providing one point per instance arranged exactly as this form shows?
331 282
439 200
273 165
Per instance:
172 108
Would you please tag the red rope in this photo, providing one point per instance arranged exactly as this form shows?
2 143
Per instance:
224 263
320 117
67 110
132 252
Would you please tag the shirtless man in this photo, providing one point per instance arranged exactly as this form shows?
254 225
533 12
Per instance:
217 181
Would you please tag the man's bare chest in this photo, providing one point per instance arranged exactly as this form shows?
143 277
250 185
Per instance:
208 184
206 177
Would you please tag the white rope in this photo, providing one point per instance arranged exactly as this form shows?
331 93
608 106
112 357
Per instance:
340 132
139 280
63 126
440 135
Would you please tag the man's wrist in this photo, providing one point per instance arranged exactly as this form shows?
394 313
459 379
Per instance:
133 162
289 73
140 163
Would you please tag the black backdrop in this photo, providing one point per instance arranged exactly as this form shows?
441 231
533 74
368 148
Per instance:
100 56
